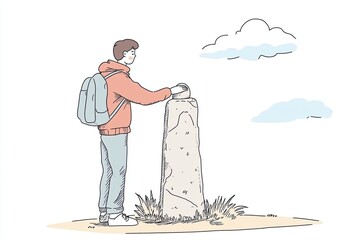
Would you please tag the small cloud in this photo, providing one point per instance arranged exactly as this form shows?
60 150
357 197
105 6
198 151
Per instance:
295 109
254 40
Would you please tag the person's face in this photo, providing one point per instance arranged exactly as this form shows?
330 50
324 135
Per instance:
129 56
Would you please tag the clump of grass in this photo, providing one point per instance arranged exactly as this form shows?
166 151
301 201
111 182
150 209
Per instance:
222 208
149 211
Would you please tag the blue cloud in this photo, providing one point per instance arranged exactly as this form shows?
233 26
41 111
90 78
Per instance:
295 109
252 52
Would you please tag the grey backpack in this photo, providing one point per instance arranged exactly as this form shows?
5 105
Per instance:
92 105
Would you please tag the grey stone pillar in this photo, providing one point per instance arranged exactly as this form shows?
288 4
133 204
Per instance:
181 192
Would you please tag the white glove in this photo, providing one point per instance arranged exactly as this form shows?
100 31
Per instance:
178 89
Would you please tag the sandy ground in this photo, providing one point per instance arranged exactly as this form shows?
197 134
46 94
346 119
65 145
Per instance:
247 222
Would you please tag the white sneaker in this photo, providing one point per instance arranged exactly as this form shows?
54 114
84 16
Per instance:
104 218
121 220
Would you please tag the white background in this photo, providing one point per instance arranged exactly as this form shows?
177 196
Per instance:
50 162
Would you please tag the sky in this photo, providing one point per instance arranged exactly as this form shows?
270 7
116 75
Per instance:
50 162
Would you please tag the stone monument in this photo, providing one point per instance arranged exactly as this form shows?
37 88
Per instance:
181 192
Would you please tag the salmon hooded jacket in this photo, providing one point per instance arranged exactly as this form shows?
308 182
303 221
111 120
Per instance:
121 86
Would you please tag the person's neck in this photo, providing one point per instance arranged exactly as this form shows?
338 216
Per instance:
122 62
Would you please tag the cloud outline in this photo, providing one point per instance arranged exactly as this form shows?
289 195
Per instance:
238 31
256 48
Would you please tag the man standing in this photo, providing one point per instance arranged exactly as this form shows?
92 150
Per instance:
114 133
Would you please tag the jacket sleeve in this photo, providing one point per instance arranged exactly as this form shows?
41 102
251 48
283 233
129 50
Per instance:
134 92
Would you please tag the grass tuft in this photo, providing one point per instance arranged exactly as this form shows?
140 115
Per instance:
148 210
222 208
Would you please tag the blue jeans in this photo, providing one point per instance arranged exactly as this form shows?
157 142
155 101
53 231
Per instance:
112 184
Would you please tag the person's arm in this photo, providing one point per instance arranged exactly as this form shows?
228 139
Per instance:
134 92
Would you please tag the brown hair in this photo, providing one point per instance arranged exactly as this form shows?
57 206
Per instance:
124 45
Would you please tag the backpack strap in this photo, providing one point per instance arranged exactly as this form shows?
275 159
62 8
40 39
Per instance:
122 102
116 109
112 74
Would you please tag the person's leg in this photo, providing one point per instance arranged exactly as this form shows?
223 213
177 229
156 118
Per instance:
115 152
116 147
105 178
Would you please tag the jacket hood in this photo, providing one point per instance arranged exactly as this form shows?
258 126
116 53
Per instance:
110 66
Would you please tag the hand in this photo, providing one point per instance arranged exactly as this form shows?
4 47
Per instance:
178 89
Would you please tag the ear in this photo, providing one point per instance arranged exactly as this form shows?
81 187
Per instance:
125 53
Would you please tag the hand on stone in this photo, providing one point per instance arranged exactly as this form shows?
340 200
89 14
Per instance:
178 89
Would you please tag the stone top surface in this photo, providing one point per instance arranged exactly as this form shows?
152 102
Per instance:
182 95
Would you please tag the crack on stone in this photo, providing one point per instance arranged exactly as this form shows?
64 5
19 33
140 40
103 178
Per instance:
171 171
181 198
178 122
